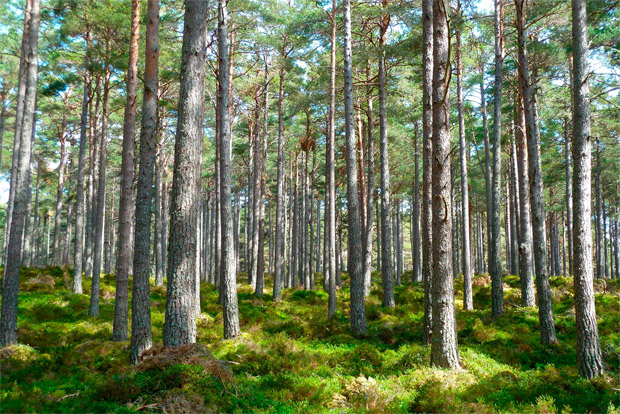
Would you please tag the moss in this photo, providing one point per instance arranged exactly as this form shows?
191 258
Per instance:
291 359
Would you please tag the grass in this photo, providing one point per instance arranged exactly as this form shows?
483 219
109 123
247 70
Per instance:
290 359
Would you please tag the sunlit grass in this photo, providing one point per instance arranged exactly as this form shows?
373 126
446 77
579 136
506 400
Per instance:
291 359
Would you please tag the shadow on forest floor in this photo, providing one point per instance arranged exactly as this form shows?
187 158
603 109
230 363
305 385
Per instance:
291 359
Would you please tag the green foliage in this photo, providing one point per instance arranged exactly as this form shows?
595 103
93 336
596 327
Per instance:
289 359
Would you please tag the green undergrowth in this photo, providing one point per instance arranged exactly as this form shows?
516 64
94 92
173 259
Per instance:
290 359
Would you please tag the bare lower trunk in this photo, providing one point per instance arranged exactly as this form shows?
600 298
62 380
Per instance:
589 360
8 319
526 264
468 303
229 275
280 241
427 159
126 202
495 253
444 346
99 212
180 323
79 207
543 289
355 265
387 272
141 338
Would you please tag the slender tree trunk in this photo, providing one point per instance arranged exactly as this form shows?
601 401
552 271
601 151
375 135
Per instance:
79 206
262 149
19 116
370 160
229 273
495 253
8 318
468 302
91 203
126 203
180 323
514 205
141 338
599 214
427 160
444 347
589 359
355 265
526 264
543 289
330 182
60 192
415 216
99 219
27 238
387 272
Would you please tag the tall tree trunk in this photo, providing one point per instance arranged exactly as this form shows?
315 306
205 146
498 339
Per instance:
487 163
79 206
127 204
355 259
8 318
370 160
91 198
387 271
262 149
99 212
468 302
495 253
444 347
589 359
141 338
60 191
526 264
427 160
599 214
256 197
330 182
514 204
180 323
543 289
415 216
3 111
159 217
19 116
229 273
27 238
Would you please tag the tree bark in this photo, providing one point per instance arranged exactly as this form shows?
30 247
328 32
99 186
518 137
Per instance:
330 182
387 272
526 264
427 160
8 318
60 192
229 275
141 338
99 219
468 302
180 323
589 359
444 347
127 204
355 260
543 289
495 253
370 160
19 116
79 206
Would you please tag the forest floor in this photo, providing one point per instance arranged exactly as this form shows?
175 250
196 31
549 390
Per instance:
290 359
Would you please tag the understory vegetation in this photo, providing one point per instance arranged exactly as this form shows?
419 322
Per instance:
289 358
